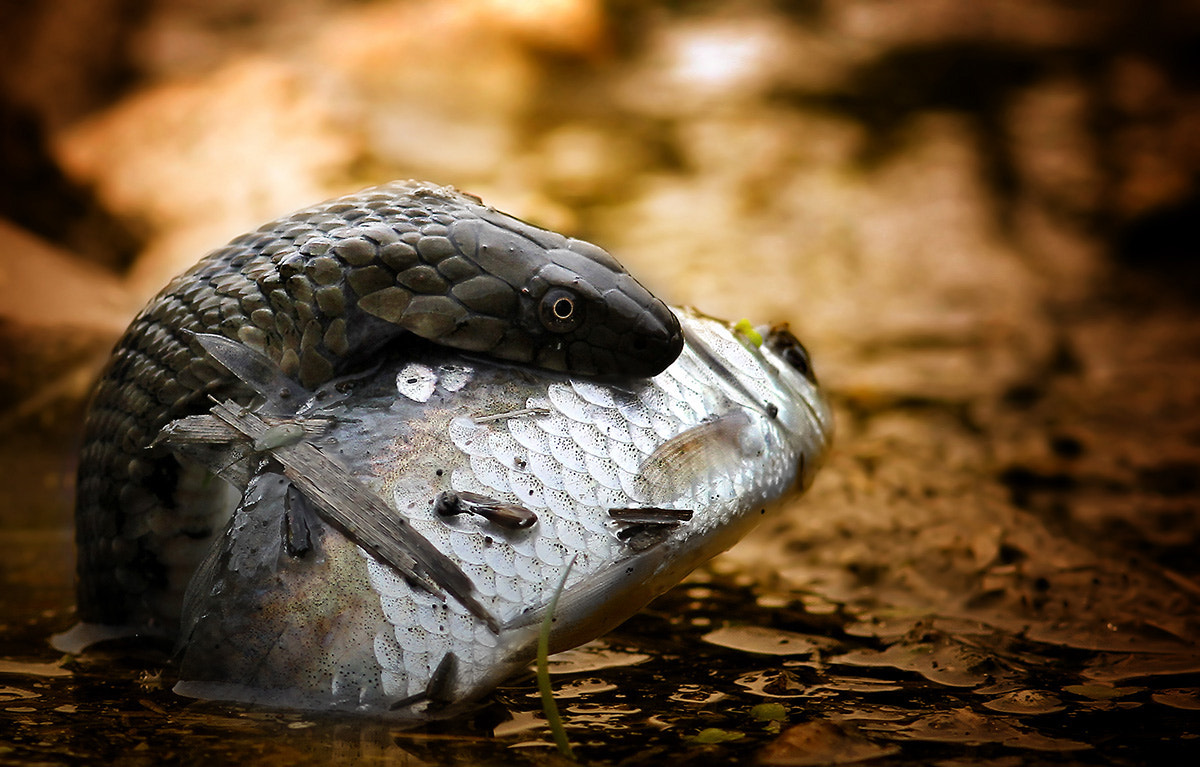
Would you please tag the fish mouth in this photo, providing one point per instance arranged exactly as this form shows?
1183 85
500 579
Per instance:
793 372
643 351
818 414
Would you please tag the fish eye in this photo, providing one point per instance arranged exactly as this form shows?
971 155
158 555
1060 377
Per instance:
560 311
797 357
792 351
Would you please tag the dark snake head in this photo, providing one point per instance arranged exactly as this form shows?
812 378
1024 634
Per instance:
589 316
557 303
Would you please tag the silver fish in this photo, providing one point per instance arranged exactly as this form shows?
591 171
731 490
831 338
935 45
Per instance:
463 490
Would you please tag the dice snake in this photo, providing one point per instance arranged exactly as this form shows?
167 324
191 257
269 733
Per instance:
320 293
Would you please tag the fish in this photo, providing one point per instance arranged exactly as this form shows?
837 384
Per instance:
392 544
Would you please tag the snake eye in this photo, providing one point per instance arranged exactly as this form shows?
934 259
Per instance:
560 311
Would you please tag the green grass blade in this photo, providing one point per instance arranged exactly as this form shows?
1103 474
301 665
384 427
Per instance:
543 670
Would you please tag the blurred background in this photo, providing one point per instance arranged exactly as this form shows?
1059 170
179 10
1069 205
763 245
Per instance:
981 218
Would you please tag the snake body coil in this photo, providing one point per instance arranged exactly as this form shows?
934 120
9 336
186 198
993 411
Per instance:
319 292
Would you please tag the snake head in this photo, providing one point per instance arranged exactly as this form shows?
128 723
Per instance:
568 305
589 316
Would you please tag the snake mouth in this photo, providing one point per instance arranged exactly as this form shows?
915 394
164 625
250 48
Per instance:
609 352
643 355
651 364
655 345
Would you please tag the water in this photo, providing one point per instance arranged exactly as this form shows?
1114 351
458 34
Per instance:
720 670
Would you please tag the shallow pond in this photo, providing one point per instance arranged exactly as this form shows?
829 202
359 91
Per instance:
719 670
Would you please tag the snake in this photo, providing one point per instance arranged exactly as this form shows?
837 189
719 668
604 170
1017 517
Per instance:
321 293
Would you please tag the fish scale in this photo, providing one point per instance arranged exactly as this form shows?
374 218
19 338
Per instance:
379 650
626 456
543 466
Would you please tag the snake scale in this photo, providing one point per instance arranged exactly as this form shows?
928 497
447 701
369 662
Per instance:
321 292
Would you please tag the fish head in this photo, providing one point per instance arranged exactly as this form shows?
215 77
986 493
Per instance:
753 429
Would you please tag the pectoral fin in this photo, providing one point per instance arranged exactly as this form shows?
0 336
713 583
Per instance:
710 448
299 518
256 370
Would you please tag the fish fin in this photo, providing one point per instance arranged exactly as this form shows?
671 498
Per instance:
644 528
332 392
441 682
298 521
256 370
641 537
83 635
718 366
437 692
701 451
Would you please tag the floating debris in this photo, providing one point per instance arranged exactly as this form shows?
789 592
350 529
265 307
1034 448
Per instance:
8 694
593 656
1187 700
1025 702
578 688
1102 691
948 663
696 695
819 743
769 712
768 641
711 735
775 683
1118 668
24 668
965 726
